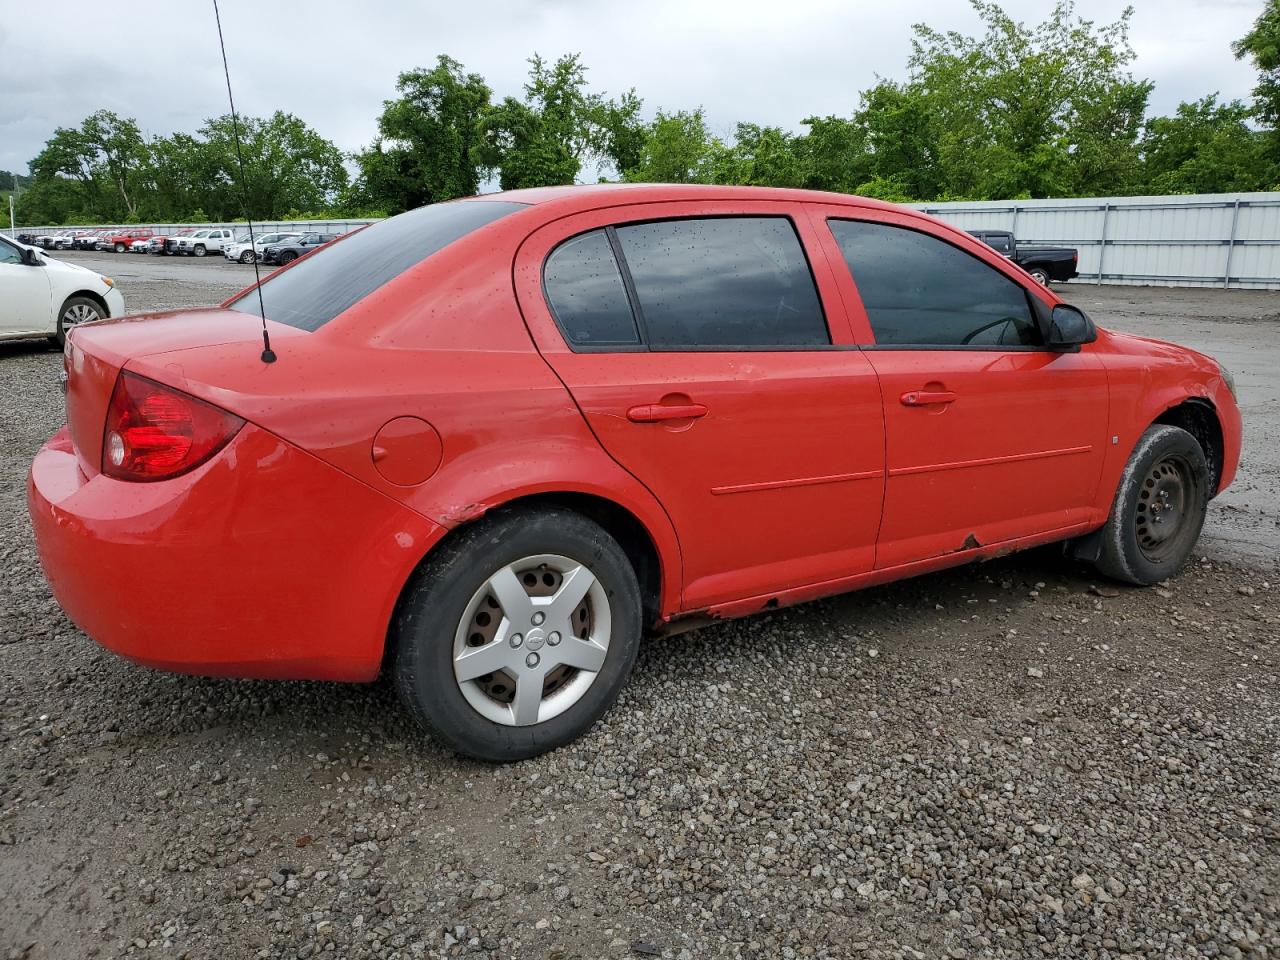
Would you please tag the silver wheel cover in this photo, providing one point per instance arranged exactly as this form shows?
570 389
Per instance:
532 640
79 313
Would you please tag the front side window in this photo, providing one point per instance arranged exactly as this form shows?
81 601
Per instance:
319 288
919 290
9 253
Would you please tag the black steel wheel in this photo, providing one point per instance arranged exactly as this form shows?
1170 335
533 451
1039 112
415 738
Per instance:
1159 508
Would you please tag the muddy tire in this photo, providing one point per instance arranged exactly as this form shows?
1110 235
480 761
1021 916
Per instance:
1159 508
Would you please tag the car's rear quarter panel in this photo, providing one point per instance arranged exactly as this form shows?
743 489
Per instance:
444 342
299 565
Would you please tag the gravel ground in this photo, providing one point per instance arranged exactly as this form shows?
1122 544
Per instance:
1010 760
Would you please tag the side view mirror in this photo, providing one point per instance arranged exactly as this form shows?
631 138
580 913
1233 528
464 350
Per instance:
1069 327
31 258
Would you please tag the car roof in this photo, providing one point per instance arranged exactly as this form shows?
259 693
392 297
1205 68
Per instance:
569 199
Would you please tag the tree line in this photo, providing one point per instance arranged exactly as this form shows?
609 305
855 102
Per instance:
1015 111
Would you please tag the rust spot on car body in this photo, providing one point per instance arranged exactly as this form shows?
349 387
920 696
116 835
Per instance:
970 543
684 623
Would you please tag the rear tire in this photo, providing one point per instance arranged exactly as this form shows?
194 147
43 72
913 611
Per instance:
484 593
1040 275
1159 508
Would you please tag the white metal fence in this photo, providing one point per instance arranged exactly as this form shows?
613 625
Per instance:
1224 240
167 229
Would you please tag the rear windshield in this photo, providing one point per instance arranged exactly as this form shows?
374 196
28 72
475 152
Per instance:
318 289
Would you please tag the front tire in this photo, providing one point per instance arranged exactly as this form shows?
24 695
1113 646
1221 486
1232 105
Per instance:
75 311
199 251
119 248
518 635
1159 508
288 257
246 256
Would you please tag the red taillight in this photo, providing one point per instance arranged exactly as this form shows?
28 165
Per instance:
154 432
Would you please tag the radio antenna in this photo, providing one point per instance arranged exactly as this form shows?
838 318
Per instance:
268 355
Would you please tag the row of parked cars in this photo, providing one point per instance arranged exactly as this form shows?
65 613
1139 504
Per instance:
276 248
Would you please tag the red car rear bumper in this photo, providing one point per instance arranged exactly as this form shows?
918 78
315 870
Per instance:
263 562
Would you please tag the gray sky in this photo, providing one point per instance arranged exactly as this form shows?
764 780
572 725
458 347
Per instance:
333 63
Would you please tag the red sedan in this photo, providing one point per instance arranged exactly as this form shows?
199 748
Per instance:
507 435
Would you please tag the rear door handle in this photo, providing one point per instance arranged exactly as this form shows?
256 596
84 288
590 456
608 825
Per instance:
657 412
925 398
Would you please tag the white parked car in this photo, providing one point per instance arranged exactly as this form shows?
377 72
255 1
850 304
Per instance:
42 297
242 252
205 241
62 241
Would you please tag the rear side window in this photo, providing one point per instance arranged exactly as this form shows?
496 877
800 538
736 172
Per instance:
729 282
319 288
920 290
1001 242
585 289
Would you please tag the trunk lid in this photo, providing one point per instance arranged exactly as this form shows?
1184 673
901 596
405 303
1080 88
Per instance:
97 352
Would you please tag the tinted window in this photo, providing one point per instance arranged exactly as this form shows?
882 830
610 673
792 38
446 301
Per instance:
319 288
724 282
1002 242
585 290
918 289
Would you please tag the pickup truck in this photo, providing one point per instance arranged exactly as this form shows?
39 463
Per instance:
204 241
1043 263
122 240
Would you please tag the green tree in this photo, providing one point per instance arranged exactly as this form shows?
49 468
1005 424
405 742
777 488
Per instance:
183 176
50 201
901 127
287 166
834 154
623 133
547 137
761 156
678 148
106 155
1262 46
427 139
1206 147
1045 110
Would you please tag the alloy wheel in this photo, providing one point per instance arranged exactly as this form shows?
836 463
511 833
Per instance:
532 640
79 313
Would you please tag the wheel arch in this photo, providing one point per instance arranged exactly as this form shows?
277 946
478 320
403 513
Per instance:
656 578
88 295
1199 417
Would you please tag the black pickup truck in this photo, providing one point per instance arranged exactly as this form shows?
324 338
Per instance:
1043 263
